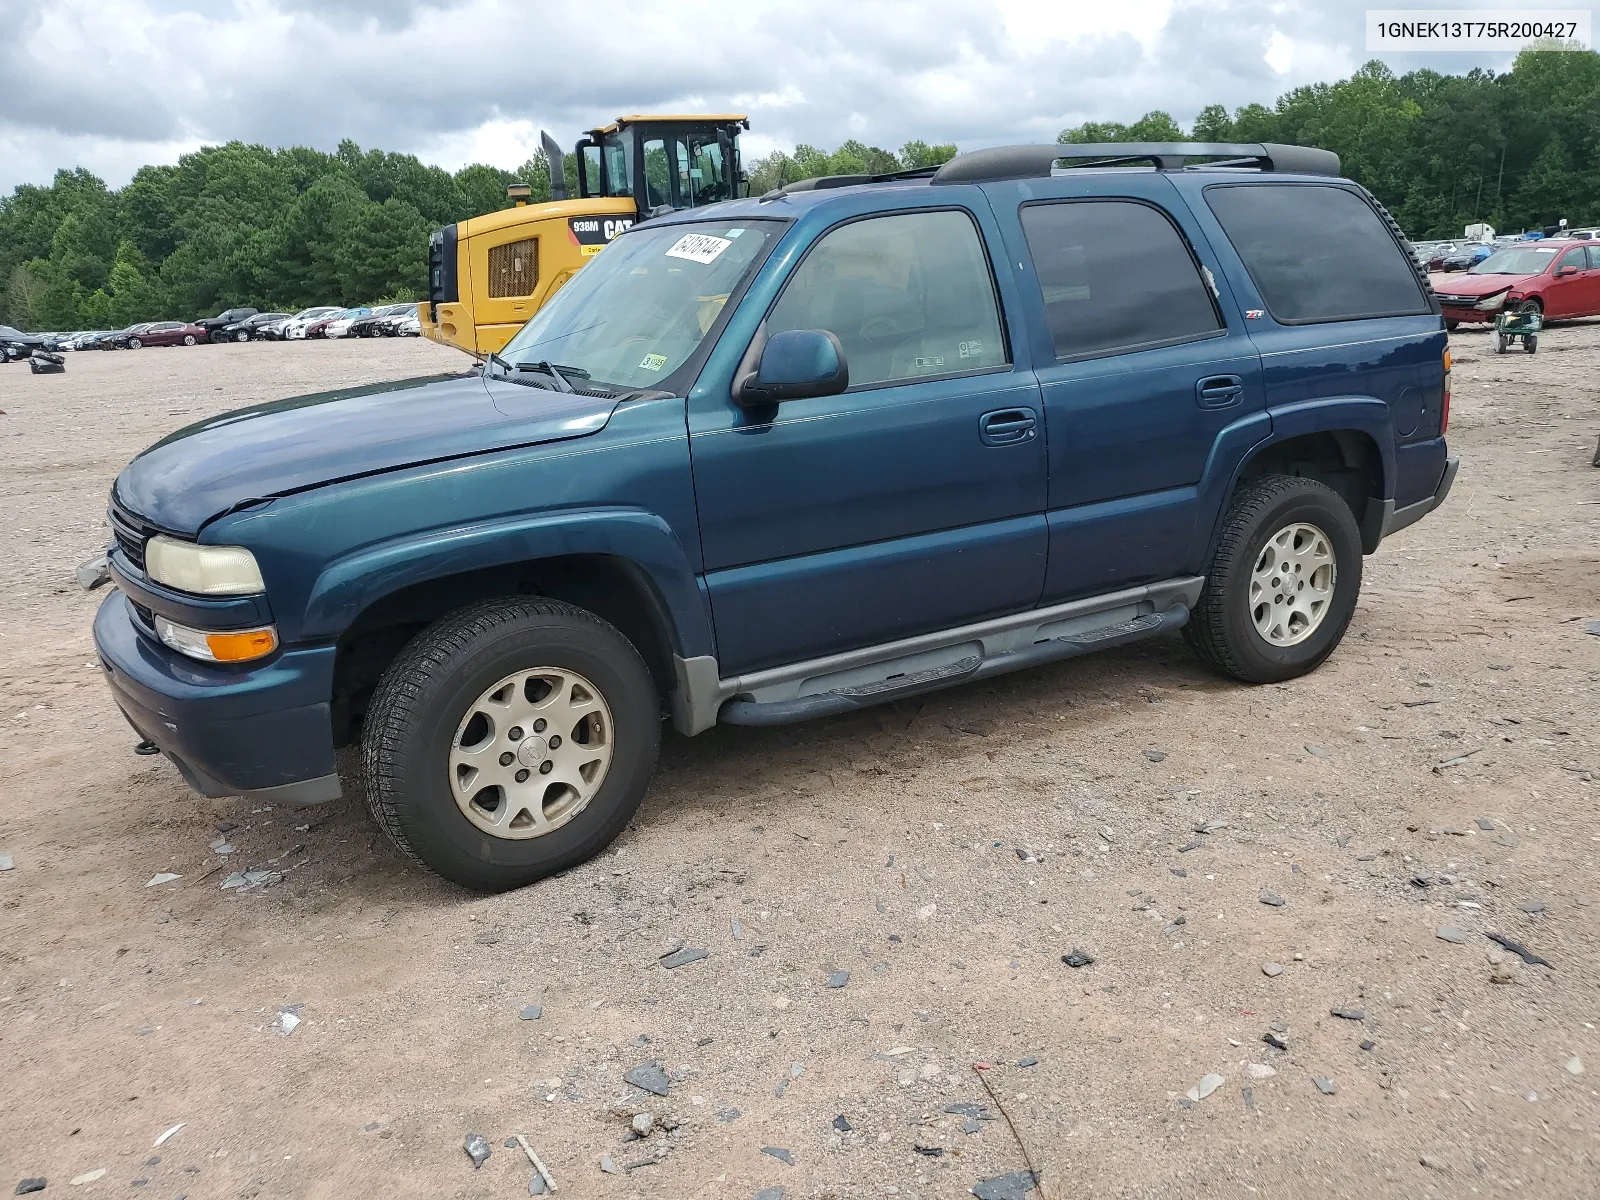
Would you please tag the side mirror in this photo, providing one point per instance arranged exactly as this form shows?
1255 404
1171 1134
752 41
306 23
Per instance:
795 365
1563 271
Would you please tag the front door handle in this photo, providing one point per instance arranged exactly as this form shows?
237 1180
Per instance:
1219 391
1007 426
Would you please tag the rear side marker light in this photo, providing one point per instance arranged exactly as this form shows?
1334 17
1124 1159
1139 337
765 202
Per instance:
1444 412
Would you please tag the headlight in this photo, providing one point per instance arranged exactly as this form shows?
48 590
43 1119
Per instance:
233 645
204 570
1490 303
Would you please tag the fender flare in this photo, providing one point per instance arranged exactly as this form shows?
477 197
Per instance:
1248 437
349 585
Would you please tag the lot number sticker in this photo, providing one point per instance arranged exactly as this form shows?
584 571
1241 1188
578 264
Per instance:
698 247
653 362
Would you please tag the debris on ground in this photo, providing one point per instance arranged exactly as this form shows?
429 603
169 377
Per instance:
1272 899
643 1124
682 957
650 1077
842 1124
1521 951
1259 1070
609 1165
1207 1085
1574 1065
769 1193
779 1153
531 1012
165 1137
1349 1014
1324 1084
249 881
287 1021
838 979
1273 1040
88 1177
1449 933
477 1148
1272 970
1012 1186
34 1183
162 877
1077 958
7 865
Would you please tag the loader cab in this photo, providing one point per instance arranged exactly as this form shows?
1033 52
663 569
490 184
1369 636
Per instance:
663 164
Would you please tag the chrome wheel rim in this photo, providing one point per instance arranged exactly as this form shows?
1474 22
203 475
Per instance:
1291 586
530 753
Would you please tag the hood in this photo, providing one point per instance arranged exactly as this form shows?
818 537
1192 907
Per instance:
268 450
1478 286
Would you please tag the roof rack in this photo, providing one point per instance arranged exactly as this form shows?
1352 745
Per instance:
1037 162
821 182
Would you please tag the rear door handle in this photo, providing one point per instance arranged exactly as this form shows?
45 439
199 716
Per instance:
1007 426
1219 391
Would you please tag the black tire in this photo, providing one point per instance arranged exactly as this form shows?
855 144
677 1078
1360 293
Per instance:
1451 326
1221 630
1530 344
1499 342
414 713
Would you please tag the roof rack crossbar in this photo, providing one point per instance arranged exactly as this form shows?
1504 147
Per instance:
1037 162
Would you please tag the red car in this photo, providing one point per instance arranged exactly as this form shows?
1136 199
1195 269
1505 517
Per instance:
1558 278
167 333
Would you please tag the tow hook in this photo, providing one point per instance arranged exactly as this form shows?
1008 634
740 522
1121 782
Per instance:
147 747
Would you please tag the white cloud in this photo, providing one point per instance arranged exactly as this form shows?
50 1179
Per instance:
110 84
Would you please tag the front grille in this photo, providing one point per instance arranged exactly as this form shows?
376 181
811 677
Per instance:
130 534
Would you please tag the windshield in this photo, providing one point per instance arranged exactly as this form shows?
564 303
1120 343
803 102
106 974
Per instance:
1515 262
643 305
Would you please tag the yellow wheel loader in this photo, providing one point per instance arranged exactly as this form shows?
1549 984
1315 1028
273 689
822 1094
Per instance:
488 275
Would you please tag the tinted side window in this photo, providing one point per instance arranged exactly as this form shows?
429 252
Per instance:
1317 253
1115 275
907 296
1573 258
1594 255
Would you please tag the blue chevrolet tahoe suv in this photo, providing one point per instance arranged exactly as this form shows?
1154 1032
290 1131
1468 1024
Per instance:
785 457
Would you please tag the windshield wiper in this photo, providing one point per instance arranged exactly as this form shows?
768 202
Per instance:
554 370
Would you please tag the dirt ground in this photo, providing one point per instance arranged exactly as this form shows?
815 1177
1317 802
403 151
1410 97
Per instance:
946 853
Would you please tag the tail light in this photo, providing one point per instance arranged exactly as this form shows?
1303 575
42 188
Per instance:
1444 411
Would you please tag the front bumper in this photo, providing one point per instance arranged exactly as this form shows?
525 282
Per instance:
1476 316
263 733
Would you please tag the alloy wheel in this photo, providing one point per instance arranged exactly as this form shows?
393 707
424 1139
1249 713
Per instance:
531 752
1291 585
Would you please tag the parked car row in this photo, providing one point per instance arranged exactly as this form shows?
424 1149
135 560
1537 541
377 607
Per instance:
232 325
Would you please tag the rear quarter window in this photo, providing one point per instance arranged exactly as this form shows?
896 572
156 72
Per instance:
1317 253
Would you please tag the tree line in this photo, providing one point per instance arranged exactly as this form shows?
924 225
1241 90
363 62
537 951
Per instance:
283 229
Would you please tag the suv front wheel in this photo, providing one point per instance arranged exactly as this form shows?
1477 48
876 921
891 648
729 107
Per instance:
510 740
1282 583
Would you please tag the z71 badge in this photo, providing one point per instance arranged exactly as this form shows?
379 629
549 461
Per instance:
592 234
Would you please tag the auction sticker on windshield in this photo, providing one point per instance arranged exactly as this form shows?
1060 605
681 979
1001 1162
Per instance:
698 247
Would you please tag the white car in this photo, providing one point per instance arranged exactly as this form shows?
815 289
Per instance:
341 327
294 329
409 325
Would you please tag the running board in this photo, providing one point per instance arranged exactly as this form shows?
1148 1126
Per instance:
897 685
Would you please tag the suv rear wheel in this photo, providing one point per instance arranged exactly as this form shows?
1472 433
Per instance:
1282 583
510 740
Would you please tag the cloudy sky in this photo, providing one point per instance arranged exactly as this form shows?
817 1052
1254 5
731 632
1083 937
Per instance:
114 84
